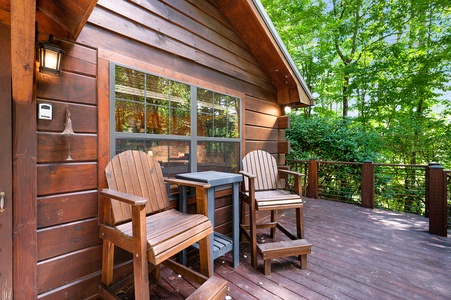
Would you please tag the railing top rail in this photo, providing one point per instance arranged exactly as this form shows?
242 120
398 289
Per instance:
340 162
359 163
399 165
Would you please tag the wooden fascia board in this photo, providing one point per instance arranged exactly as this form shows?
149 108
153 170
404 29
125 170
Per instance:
296 92
23 39
83 21
278 69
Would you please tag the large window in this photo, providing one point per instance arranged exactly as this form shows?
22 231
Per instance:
187 128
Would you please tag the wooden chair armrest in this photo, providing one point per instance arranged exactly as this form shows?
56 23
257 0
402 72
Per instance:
249 175
124 197
291 172
187 183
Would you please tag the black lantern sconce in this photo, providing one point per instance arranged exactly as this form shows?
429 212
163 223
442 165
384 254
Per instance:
50 57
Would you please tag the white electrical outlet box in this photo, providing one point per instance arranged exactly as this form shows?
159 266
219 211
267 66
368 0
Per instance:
45 111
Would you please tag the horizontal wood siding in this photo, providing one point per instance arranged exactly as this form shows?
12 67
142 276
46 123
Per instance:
189 41
67 230
191 38
65 208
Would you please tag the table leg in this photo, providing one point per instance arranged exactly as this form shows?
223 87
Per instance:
236 221
183 207
211 216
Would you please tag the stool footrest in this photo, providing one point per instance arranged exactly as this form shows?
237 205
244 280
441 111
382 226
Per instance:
283 249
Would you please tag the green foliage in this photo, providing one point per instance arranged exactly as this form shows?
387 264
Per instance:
385 63
333 139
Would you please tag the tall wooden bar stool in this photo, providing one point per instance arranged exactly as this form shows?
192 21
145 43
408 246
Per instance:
263 191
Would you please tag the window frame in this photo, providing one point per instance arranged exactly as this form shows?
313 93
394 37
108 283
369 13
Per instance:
193 138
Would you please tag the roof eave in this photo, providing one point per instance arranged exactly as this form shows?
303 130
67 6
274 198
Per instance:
284 51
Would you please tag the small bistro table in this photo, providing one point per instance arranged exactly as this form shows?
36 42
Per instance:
220 244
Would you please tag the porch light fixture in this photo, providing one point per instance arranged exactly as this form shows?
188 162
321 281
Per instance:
50 57
287 109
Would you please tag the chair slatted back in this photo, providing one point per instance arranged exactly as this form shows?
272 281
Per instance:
140 174
264 166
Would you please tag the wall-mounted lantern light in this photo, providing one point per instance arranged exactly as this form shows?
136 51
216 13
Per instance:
287 109
50 57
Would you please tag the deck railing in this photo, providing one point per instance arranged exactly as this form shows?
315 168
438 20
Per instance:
448 184
419 189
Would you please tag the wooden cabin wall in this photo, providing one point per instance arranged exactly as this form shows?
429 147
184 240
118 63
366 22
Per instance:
193 42
189 41
69 248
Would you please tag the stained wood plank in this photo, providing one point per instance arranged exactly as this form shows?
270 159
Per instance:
5 18
64 178
84 117
61 239
215 21
23 14
389 256
71 15
24 191
6 158
54 147
64 208
260 133
69 87
103 109
84 288
78 59
113 47
188 29
140 33
71 267
259 119
268 146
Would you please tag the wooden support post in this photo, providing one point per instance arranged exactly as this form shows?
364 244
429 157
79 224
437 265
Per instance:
23 44
312 178
437 201
367 184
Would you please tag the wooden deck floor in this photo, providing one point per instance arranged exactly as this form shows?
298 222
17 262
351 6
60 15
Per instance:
357 253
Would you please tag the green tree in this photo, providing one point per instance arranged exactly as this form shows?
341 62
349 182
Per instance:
385 61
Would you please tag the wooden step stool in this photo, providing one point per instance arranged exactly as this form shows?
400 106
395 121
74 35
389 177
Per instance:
215 288
283 249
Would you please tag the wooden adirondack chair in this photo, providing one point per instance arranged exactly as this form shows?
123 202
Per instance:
263 191
135 218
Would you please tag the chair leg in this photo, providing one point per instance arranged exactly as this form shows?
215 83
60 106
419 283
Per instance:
107 262
303 261
274 220
154 273
206 267
140 262
141 276
300 222
253 237
243 217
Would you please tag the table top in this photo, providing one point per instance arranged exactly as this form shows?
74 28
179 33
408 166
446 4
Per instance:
212 177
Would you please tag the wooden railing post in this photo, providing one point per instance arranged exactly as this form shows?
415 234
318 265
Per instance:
312 178
426 196
437 200
367 191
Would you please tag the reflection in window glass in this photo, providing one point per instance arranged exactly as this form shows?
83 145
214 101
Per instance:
172 155
218 156
151 104
217 115
153 114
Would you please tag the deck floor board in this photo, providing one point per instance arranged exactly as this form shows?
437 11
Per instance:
357 253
